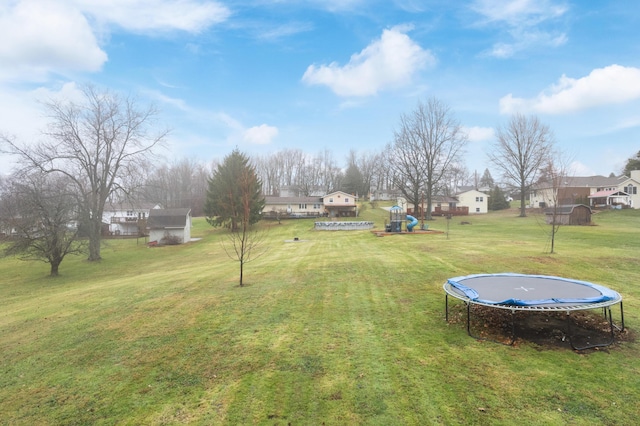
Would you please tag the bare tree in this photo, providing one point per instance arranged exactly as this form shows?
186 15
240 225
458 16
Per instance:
522 149
182 184
245 241
557 173
428 144
40 214
100 144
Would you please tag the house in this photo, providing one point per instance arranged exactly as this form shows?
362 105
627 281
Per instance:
575 214
340 204
466 202
476 201
169 226
596 191
126 218
630 185
610 198
292 207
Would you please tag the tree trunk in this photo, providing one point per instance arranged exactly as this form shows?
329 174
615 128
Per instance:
523 210
54 268
94 230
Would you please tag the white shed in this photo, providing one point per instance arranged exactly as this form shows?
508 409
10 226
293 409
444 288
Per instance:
169 226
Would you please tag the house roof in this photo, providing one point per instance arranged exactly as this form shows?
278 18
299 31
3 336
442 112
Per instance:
444 199
292 200
584 182
168 218
116 207
471 189
602 194
335 193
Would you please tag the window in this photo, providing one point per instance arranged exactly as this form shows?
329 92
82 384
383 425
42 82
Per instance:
302 206
331 200
479 199
631 190
316 206
477 209
346 200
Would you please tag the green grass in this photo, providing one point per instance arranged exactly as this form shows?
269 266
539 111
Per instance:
337 328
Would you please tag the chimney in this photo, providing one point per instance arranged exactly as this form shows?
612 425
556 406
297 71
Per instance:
635 174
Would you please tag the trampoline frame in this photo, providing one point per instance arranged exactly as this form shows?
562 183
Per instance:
568 308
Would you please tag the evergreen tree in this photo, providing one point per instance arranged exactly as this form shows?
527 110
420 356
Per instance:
353 181
486 181
633 163
497 200
226 196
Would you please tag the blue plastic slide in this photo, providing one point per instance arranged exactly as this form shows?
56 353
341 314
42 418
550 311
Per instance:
412 222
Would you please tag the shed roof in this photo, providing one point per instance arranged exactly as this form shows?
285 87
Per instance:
168 218
566 209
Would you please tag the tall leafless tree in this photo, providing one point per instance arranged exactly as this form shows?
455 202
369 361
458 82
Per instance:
100 144
429 142
40 214
523 147
182 184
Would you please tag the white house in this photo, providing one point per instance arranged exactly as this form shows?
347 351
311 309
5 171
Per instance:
281 207
466 202
476 201
126 218
630 185
340 204
168 225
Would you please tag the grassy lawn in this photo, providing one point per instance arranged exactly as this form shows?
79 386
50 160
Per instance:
336 328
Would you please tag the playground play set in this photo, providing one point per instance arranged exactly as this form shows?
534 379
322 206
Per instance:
397 217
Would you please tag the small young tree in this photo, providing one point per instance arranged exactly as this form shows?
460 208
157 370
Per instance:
557 171
245 241
42 217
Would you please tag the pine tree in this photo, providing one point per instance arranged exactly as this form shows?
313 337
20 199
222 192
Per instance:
497 200
225 204
633 163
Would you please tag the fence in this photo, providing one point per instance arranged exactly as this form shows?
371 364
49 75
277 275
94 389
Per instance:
343 226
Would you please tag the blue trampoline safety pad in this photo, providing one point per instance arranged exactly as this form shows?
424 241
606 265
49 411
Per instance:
529 290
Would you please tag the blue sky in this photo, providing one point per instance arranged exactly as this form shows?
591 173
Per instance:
334 75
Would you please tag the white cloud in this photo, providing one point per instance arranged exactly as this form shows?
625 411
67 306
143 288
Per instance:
156 15
42 36
260 135
518 12
479 134
577 168
388 62
603 86
524 21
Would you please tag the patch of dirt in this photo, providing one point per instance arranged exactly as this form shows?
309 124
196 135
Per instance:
548 330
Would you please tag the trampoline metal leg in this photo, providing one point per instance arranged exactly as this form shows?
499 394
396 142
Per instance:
598 345
513 329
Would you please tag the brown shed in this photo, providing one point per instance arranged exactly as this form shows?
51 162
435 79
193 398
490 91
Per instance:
572 214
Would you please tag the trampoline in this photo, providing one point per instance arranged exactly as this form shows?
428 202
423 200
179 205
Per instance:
534 293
